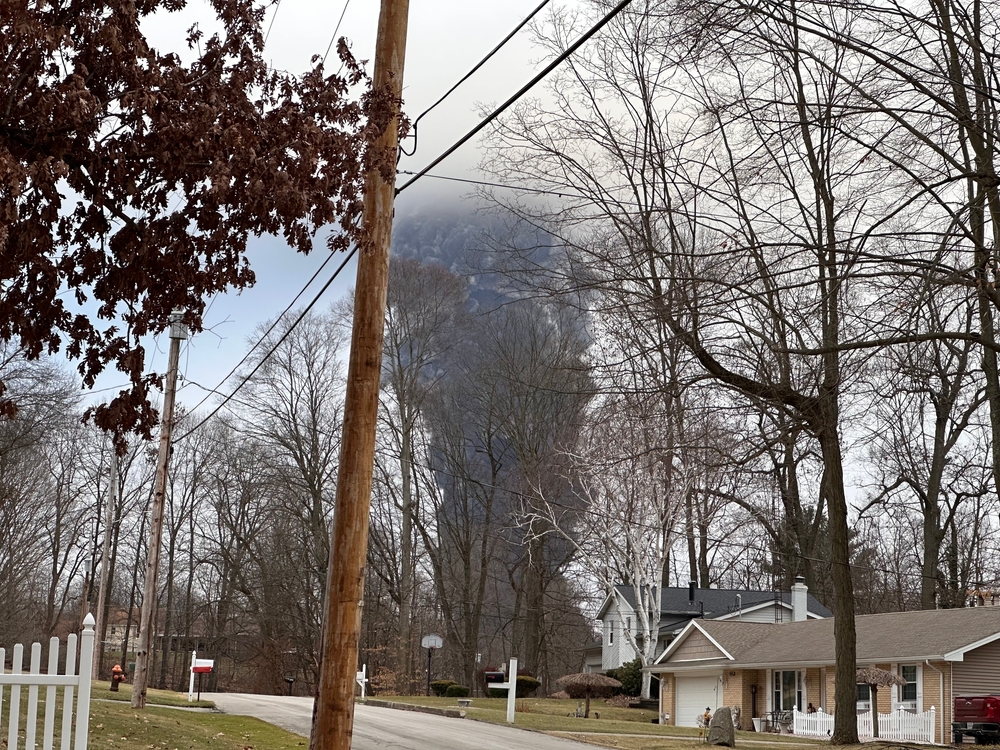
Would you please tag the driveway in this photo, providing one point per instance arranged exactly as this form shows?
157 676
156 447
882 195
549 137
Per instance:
389 729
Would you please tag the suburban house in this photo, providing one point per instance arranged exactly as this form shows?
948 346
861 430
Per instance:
679 606
766 668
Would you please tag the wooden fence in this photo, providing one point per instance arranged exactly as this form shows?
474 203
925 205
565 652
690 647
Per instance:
75 679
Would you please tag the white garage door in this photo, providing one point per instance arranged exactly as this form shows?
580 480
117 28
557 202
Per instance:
694 695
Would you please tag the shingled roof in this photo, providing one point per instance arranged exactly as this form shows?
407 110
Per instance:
895 636
676 605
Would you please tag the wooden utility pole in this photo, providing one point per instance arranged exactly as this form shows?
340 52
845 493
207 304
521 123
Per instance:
102 596
178 332
333 714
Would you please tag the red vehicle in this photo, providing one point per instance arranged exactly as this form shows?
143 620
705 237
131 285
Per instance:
977 716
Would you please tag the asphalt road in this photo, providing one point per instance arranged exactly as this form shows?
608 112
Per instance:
389 729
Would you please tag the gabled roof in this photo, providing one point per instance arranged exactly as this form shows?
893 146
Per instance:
675 601
943 634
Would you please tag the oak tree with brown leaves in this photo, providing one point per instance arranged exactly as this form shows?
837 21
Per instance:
131 180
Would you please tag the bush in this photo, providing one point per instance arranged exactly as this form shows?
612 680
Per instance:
526 686
629 675
440 687
457 691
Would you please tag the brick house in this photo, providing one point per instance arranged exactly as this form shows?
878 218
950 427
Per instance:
763 668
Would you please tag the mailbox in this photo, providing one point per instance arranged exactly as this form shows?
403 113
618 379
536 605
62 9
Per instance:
494 677
202 666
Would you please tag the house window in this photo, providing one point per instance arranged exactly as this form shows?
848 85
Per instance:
908 692
628 623
787 690
611 634
864 697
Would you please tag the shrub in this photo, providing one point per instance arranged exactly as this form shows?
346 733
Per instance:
456 691
440 687
526 686
629 675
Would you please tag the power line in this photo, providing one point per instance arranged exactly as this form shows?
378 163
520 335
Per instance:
277 7
468 75
335 30
485 183
523 90
278 343
267 333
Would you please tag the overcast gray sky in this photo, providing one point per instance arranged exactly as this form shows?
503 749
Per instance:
446 38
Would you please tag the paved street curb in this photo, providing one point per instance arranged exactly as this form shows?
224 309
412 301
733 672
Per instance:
453 713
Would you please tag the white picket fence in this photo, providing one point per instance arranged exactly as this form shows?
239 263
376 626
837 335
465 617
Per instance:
899 725
73 680
819 724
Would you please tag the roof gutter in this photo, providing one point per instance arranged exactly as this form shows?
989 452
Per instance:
692 665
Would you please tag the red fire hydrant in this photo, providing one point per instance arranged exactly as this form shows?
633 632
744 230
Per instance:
117 677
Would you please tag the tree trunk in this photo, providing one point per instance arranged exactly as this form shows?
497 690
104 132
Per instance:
845 730
404 633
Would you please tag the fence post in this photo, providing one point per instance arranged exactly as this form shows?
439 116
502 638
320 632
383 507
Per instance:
13 720
31 721
83 697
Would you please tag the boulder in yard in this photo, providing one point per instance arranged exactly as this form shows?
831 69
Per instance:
721 731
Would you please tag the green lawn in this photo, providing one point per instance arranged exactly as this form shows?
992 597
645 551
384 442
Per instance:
116 725
101 690
553 715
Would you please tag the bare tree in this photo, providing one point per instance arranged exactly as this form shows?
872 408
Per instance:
422 311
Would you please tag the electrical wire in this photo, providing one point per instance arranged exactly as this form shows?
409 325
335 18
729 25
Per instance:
274 348
486 183
336 28
277 7
468 75
521 92
266 333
